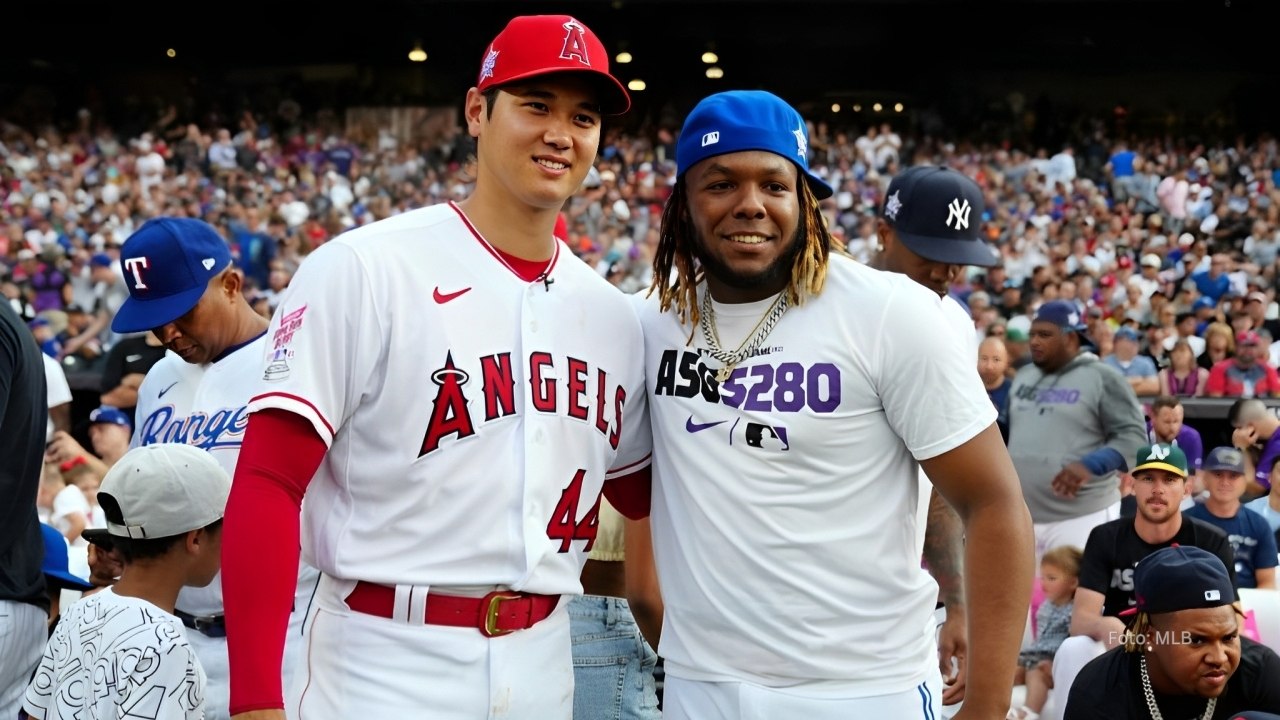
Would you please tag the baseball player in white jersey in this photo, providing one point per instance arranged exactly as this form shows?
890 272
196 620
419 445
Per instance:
792 394
183 288
455 388
929 231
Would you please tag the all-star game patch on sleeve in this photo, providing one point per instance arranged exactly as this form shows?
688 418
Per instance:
323 343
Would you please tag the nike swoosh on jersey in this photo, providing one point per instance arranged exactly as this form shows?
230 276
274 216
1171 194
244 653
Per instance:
162 392
132 358
693 427
443 298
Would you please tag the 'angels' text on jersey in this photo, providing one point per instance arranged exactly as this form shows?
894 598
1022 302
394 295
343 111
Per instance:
450 409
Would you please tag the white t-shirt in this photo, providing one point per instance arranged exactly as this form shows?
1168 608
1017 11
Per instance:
117 657
59 392
68 501
785 499
471 416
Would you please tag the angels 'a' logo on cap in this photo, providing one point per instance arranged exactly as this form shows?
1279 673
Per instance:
575 44
802 144
486 68
893 205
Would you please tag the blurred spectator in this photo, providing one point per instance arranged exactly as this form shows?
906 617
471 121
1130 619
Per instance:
1166 426
1247 374
1252 540
61 505
1254 428
1219 345
126 364
993 364
1185 329
1138 370
1183 377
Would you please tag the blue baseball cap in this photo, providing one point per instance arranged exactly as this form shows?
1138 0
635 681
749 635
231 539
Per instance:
1180 577
56 566
100 260
109 414
937 213
1225 458
167 265
1066 316
1127 333
740 120
1203 303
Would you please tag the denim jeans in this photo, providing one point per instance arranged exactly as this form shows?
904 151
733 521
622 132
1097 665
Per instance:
612 664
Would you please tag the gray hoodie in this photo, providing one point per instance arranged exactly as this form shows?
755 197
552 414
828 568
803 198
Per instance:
1061 417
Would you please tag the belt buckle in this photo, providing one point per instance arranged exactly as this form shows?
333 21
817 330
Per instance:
489 622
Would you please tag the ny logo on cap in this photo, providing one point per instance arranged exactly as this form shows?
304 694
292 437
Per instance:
136 265
1159 452
802 145
959 212
575 45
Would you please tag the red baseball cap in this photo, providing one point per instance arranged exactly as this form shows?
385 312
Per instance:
533 45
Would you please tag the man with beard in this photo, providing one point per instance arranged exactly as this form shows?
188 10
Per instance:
795 393
1114 549
1073 422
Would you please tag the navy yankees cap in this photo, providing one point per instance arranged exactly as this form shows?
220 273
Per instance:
937 213
167 265
1180 577
1225 458
740 120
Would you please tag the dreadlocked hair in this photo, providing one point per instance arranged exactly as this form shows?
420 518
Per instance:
678 238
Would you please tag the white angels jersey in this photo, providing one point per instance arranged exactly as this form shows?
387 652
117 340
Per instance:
472 417
113 656
785 497
204 406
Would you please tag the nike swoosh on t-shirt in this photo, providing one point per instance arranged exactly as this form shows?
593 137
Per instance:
693 427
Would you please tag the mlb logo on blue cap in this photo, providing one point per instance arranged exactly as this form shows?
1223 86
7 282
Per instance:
167 266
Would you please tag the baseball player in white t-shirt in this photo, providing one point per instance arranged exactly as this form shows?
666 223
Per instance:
183 288
929 231
461 387
786 440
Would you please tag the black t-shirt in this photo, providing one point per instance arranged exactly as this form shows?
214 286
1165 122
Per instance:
24 411
1110 688
130 355
1114 548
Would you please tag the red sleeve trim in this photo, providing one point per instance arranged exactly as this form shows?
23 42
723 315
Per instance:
302 401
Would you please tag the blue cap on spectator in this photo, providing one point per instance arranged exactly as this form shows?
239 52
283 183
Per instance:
1180 577
167 265
1066 316
100 260
109 414
38 323
739 120
55 565
1127 333
937 213
1225 458
1203 303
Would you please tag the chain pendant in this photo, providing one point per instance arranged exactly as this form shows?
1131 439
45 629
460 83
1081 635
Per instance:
723 373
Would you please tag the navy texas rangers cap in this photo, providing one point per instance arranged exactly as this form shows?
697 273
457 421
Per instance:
739 120
1180 577
533 45
937 213
167 266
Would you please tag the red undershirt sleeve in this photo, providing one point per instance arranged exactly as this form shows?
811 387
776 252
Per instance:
260 550
629 494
